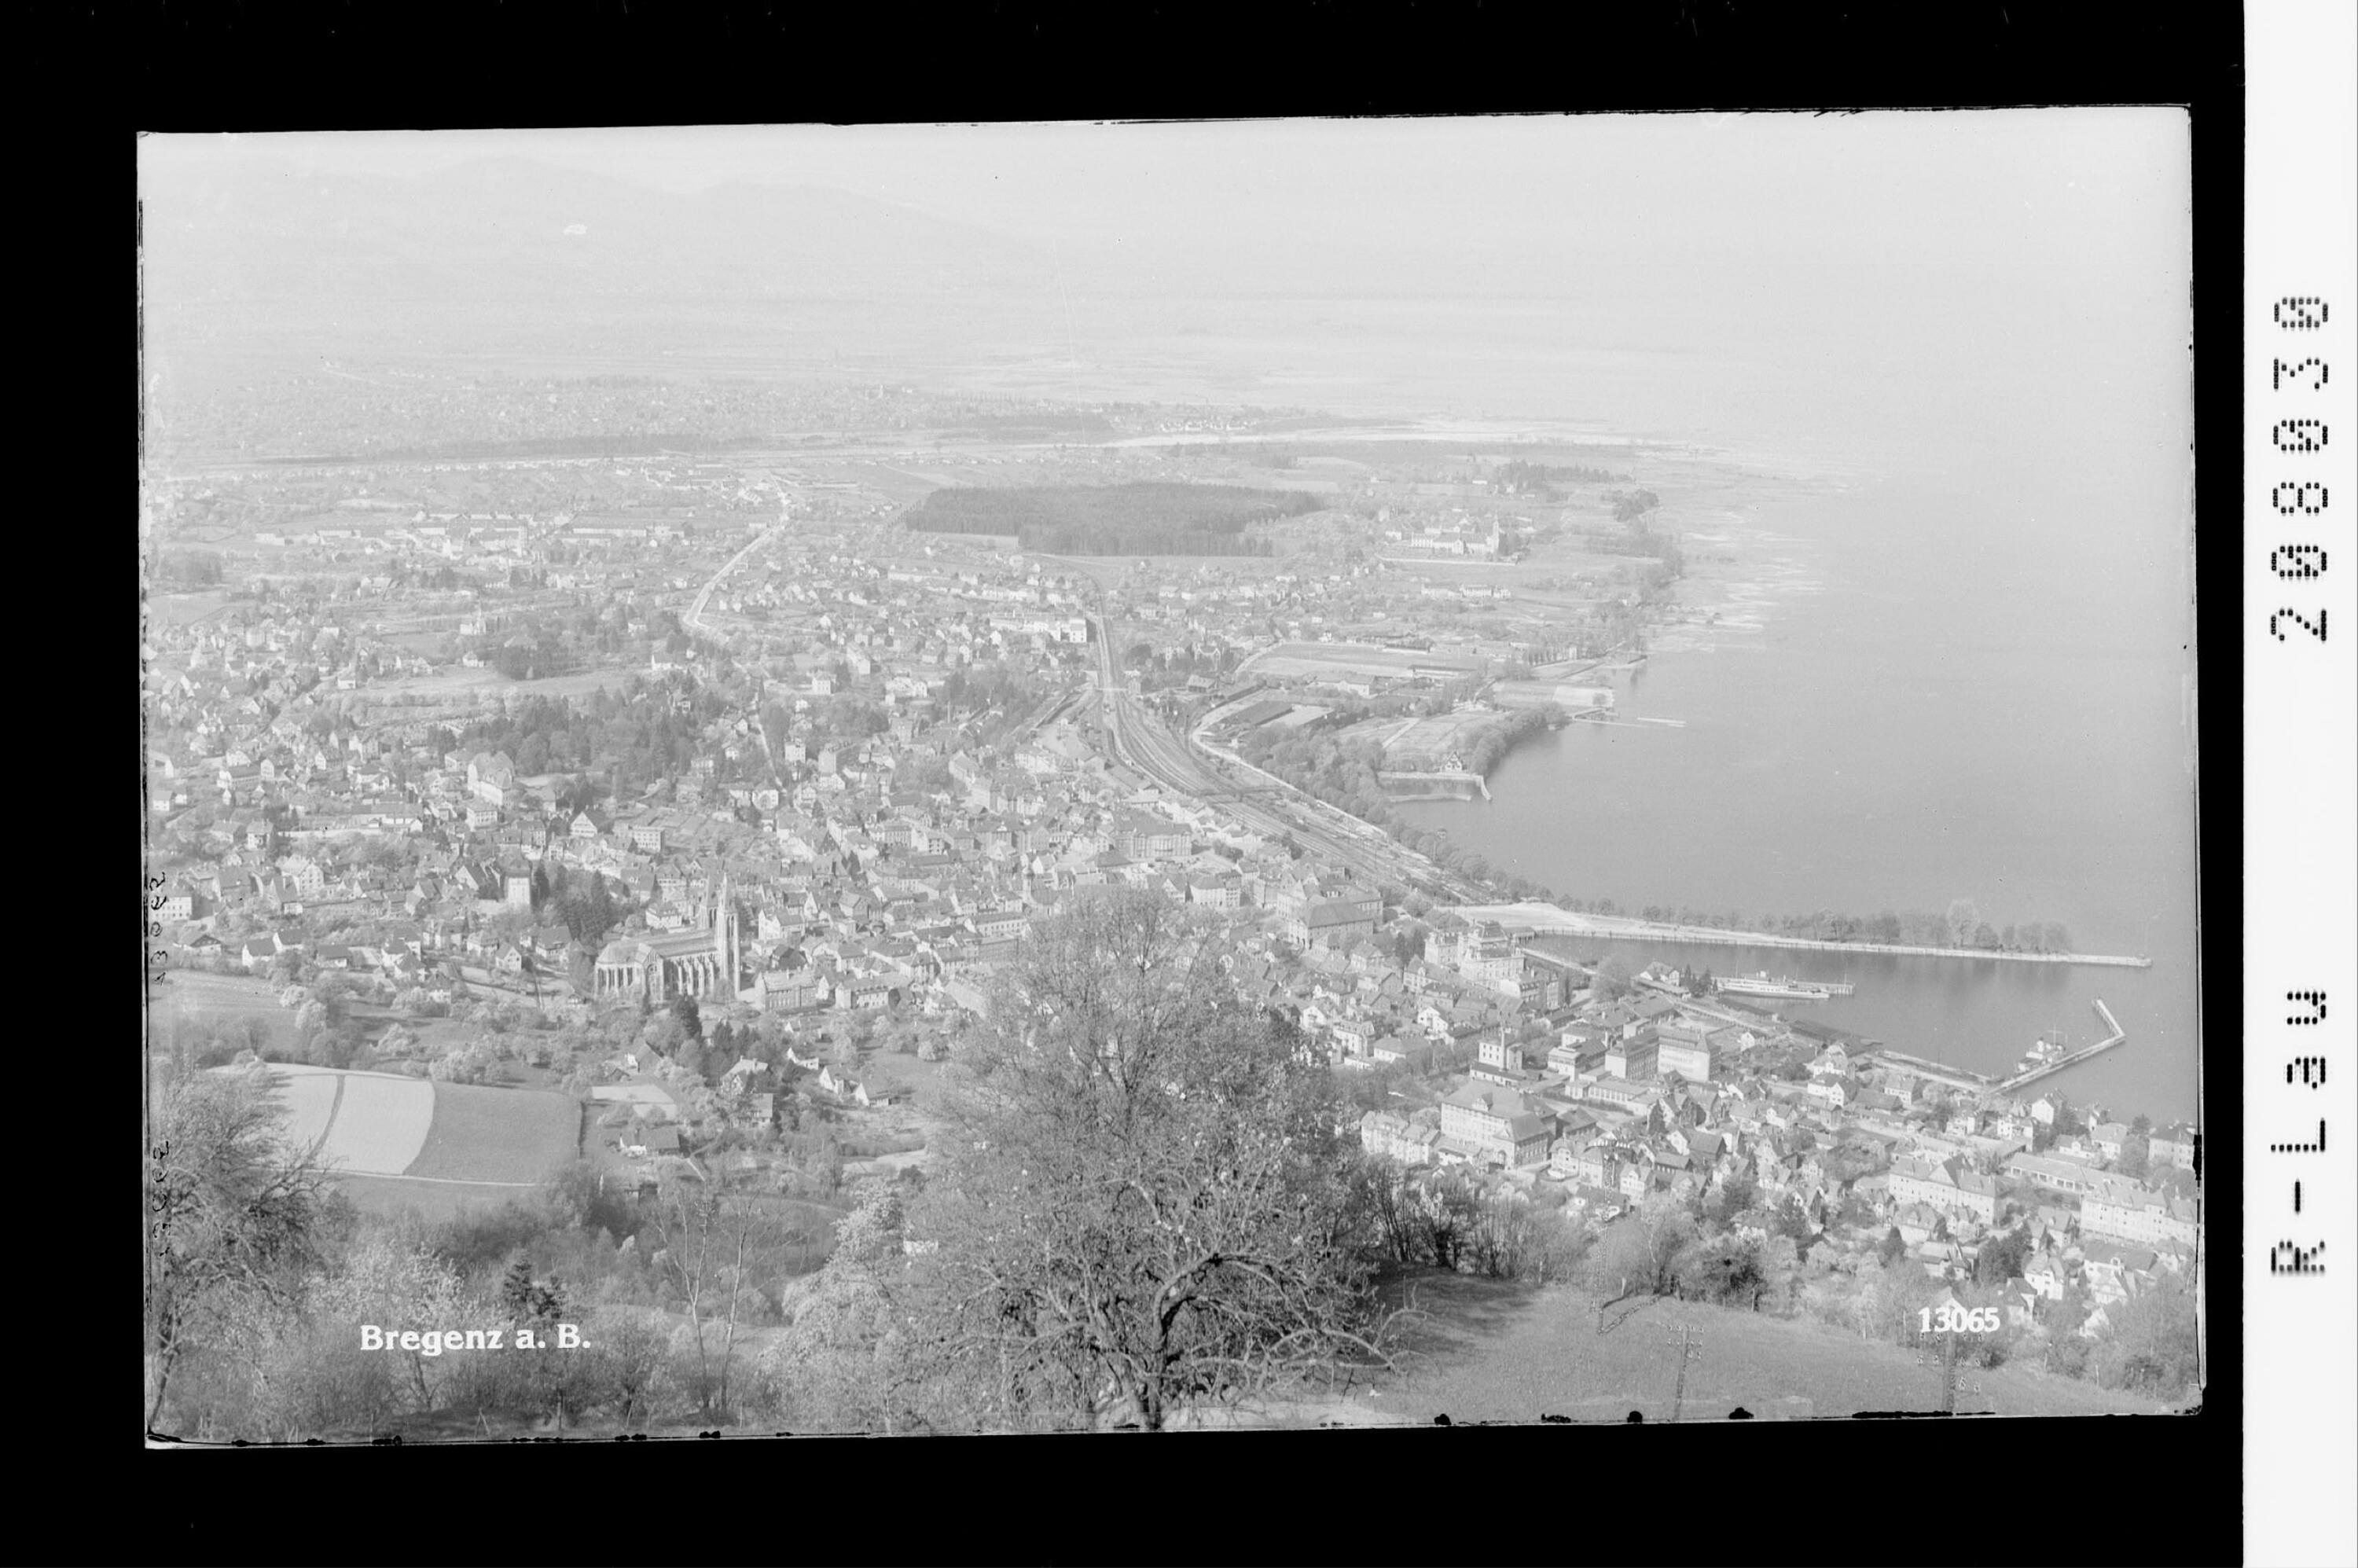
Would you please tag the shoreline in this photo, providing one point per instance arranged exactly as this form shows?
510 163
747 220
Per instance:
1546 919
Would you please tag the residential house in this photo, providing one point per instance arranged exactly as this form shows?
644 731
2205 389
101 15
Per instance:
1951 1186
2127 1210
1329 924
1382 1132
1416 1054
2115 1272
2055 1175
1500 1061
1918 1223
1632 1055
1686 1049
1495 1125
2048 1274
2173 1145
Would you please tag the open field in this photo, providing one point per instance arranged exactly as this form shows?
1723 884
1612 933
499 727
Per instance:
398 1143
1330 661
185 609
497 1135
1427 737
1496 1351
309 1100
206 999
374 1123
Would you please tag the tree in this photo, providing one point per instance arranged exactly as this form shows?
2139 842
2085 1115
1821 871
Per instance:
1735 1195
2136 1149
627 1352
1141 1207
1780 1268
1724 1270
1791 1221
235 1213
2001 1258
386 1281
1383 1206
2151 1347
1635 1253
1962 921
711 1241
589 911
686 1222
509 922
848 1361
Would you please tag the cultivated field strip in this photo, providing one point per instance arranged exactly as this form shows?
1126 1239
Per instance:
309 1099
375 1123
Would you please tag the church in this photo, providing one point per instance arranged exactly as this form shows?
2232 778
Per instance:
706 964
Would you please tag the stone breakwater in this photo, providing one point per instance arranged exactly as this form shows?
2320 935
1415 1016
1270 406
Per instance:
1548 917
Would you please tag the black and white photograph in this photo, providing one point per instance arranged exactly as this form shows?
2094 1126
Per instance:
1202 776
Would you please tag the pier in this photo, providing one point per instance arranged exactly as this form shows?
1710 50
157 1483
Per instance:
1958 1078
1603 716
2076 1057
1964 1080
1546 919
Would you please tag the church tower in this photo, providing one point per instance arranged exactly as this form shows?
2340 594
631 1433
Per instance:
724 937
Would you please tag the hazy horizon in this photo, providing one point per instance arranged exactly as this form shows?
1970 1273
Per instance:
2037 187
1816 273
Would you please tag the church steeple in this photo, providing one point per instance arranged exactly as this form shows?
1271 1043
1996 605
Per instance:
724 936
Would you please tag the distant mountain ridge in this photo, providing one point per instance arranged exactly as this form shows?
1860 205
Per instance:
262 230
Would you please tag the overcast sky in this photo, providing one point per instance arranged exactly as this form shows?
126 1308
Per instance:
2036 188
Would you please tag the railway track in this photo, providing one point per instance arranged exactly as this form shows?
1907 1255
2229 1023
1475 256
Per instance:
1139 740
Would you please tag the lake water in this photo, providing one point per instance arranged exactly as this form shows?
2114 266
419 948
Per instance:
1966 677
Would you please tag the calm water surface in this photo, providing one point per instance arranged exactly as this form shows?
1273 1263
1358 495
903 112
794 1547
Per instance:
1984 709
1971 684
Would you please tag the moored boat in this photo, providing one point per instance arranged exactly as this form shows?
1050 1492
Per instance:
1783 986
2052 1046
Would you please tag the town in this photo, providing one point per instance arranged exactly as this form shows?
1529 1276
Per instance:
710 793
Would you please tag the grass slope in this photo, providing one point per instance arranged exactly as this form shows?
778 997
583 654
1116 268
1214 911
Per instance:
432 1202
209 999
1493 1350
498 1135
